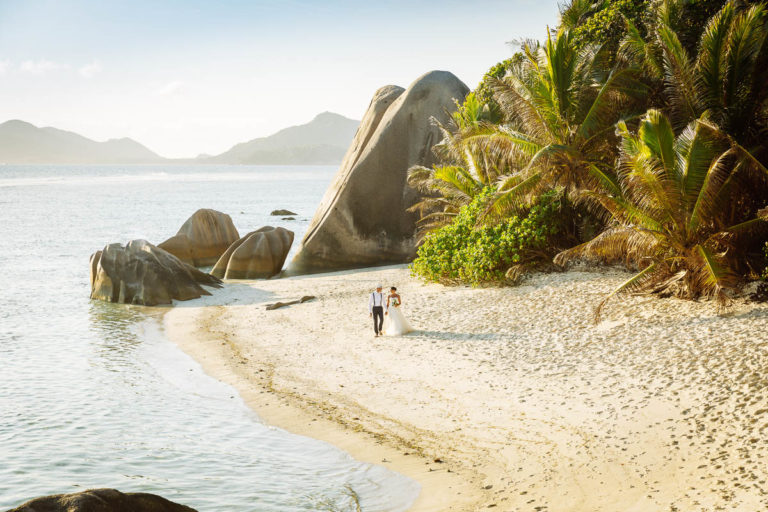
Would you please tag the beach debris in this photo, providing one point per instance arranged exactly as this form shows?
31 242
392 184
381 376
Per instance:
102 500
258 255
278 213
203 238
302 300
144 274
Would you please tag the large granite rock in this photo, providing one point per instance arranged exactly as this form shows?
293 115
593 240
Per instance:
102 500
362 220
258 255
141 273
203 238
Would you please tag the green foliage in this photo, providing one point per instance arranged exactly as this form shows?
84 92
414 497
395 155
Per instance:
560 107
603 22
465 252
672 210
462 171
484 90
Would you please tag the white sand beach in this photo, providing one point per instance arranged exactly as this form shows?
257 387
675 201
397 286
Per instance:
507 398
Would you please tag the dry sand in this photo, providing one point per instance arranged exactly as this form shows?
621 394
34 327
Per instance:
663 406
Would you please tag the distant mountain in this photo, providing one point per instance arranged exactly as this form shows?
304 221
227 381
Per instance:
25 143
324 140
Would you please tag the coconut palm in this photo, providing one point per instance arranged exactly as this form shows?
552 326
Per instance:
462 172
725 80
675 205
561 105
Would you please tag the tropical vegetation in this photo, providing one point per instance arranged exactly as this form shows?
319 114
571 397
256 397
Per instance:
634 134
462 251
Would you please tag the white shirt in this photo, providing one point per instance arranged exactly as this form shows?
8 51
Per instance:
376 299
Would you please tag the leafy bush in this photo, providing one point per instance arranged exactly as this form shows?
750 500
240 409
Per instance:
604 22
484 90
465 252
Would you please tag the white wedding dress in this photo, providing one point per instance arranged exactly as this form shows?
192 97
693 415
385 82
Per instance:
396 324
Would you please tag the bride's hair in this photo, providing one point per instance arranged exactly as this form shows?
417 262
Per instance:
394 288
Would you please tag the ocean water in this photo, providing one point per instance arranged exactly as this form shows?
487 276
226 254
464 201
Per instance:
93 395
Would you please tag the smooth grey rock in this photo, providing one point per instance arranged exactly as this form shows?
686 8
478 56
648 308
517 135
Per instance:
102 500
203 238
282 212
141 273
258 255
363 218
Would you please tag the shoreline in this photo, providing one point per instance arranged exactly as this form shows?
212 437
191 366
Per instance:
443 487
525 402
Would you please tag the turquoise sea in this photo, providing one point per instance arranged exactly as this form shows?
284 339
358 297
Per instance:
93 395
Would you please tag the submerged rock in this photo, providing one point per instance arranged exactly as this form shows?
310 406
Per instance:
203 238
141 273
102 500
258 255
277 213
362 219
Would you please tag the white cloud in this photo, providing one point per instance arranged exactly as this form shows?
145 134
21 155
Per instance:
90 70
40 67
169 88
4 66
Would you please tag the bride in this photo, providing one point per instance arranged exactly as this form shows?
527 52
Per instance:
396 324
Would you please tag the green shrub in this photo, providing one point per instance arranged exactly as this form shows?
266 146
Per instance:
607 24
463 252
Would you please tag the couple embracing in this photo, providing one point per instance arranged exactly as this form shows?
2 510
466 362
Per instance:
380 305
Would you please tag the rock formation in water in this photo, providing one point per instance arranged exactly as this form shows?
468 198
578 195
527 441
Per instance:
141 273
258 255
362 220
203 238
277 213
102 500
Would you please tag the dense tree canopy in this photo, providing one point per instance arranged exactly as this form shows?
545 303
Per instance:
646 119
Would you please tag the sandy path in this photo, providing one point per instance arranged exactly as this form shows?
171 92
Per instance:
663 406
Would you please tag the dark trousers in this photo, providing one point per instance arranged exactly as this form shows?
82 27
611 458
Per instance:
378 319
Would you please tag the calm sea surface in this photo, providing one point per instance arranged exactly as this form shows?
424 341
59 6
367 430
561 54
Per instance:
93 395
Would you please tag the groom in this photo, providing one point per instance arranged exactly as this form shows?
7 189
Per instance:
376 309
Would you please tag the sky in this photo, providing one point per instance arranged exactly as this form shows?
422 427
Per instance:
186 77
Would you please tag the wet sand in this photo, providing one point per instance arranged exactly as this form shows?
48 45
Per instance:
509 398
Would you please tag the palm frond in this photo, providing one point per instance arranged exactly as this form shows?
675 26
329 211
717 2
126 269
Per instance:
638 282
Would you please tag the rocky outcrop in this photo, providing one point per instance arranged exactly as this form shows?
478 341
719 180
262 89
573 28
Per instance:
363 218
203 238
141 273
102 500
258 255
282 212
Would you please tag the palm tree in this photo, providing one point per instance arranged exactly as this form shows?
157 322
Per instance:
724 81
672 205
561 105
462 173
